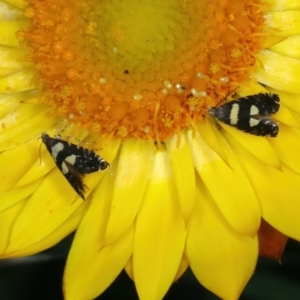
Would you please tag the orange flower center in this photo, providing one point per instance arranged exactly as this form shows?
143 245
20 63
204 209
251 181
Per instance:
141 68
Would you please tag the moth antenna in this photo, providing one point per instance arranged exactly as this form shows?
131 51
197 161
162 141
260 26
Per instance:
80 141
68 137
58 136
228 93
63 129
231 91
215 92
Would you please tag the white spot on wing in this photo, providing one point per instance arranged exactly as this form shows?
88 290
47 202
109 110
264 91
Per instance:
56 149
254 110
64 168
253 122
71 159
234 114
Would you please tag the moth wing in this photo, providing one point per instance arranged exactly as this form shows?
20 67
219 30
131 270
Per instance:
75 178
265 127
268 128
88 161
267 103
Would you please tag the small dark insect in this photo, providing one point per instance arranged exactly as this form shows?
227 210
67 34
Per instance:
73 161
250 114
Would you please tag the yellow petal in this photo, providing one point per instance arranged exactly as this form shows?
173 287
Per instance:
132 176
8 31
270 41
90 234
50 205
286 21
183 172
18 82
14 195
100 265
7 218
18 115
287 146
279 71
221 259
43 164
27 129
184 264
240 210
21 4
283 217
277 195
288 47
207 130
10 102
129 268
287 117
51 239
12 169
284 4
257 145
160 233
8 12
102 269
88 255
250 87
12 60
296 115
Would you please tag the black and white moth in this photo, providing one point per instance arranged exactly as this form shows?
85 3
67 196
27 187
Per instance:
250 114
73 161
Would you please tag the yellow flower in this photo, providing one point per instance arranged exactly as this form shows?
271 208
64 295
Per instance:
138 77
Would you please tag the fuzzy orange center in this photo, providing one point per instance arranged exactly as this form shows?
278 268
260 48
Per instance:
141 68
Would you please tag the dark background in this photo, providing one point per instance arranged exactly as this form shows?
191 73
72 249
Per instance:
40 277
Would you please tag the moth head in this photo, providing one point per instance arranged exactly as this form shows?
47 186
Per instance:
103 164
44 136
